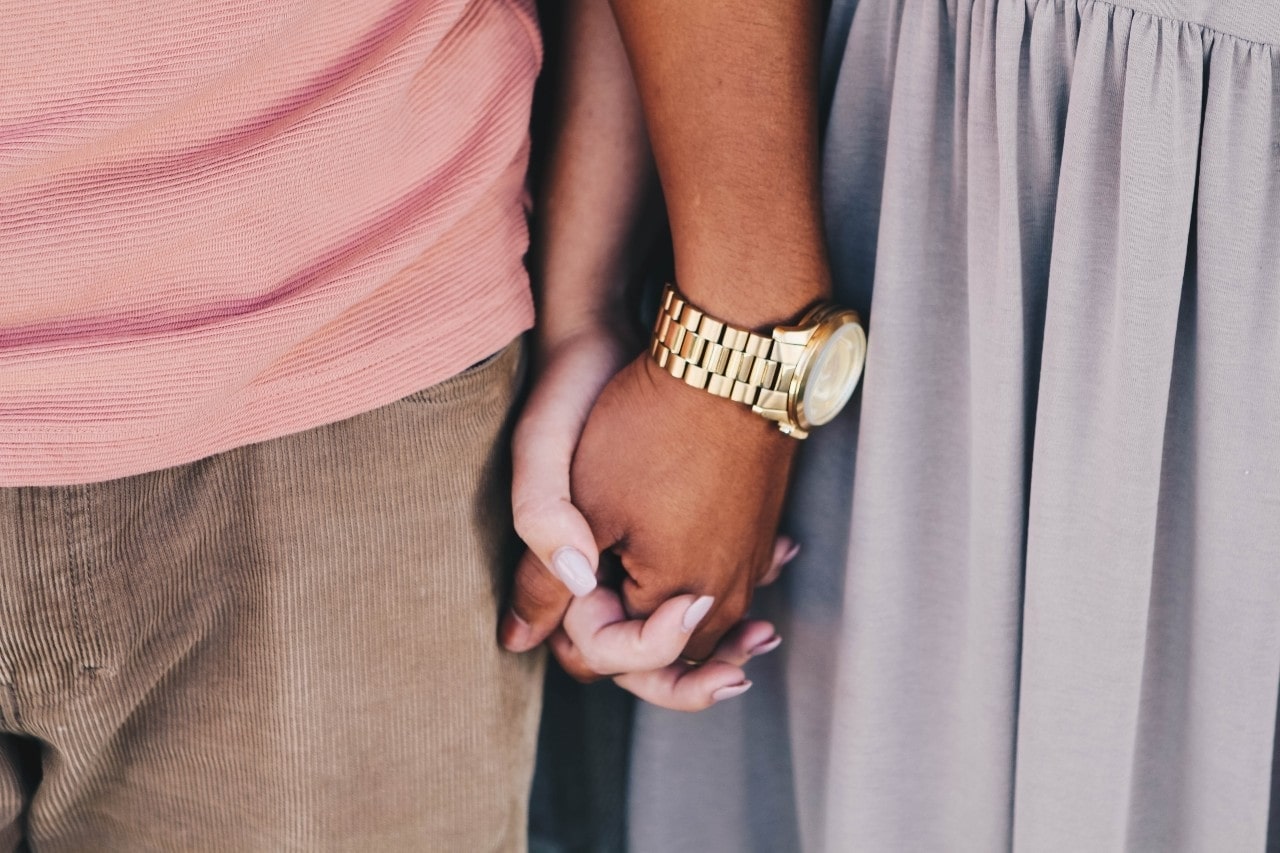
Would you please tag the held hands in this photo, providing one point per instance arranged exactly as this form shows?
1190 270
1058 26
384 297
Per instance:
685 489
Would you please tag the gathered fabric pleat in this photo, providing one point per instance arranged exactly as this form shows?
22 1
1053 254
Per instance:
1038 601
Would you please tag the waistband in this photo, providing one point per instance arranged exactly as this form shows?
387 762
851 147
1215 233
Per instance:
1251 20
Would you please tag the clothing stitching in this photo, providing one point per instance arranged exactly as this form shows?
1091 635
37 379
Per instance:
76 570
1155 16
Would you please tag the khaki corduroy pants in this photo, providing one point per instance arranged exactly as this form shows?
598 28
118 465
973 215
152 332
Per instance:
288 646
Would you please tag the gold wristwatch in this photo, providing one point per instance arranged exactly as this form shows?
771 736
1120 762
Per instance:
800 376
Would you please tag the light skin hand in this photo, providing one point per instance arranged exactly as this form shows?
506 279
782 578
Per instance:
561 558
597 637
597 183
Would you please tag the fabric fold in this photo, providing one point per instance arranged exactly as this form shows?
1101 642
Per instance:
1055 501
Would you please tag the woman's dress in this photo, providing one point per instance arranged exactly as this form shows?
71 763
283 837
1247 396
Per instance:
1038 605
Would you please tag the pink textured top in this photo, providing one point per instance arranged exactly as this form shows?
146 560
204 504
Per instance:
222 221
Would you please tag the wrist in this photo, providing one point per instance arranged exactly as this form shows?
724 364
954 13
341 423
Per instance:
761 296
797 376
708 418
568 320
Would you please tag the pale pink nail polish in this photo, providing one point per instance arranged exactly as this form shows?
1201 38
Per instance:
574 570
730 691
766 647
696 613
791 553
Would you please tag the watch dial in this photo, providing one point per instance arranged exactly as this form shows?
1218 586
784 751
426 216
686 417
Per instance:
834 374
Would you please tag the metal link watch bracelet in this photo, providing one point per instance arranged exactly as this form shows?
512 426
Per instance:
798 376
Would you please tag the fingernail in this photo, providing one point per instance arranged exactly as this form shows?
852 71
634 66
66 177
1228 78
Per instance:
696 612
573 570
732 690
791 553
516 633
766 647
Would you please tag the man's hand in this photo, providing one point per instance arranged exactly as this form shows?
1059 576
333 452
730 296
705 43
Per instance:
687 489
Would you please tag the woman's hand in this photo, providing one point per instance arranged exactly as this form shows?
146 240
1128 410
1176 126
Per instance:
561 558
597 638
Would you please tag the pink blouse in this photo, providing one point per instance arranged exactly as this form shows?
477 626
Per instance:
222 221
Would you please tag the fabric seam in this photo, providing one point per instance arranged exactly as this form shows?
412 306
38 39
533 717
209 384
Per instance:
1213 31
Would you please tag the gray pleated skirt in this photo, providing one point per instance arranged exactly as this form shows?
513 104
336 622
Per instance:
1038 606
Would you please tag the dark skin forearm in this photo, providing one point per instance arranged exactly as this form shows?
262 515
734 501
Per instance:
727 89
729 93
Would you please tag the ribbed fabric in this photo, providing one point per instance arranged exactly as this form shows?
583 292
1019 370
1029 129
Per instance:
222 222
288 646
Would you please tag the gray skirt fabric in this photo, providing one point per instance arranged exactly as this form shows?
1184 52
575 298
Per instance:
1038 605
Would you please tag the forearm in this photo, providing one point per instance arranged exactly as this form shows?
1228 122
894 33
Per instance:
729 94
598 177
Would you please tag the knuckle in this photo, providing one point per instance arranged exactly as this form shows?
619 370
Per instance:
693 705
529 516
640 652
649 652
592 663
737 604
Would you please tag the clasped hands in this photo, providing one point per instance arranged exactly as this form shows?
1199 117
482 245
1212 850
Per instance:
649 510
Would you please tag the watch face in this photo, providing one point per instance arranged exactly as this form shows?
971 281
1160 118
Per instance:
833 374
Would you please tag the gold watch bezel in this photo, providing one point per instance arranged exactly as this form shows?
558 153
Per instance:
824 320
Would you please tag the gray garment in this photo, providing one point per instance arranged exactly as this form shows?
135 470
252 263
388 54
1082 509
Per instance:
1042 611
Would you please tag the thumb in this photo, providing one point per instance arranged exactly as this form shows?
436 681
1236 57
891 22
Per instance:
563 557
542 451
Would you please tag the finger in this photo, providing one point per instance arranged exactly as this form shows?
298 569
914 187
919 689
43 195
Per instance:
608 642
542 452
551 526
728 612
538 603
751 639
570 659
640 600
784 551
684 688
681 688
709 634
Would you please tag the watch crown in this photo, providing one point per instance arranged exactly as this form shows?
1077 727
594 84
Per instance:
792 430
